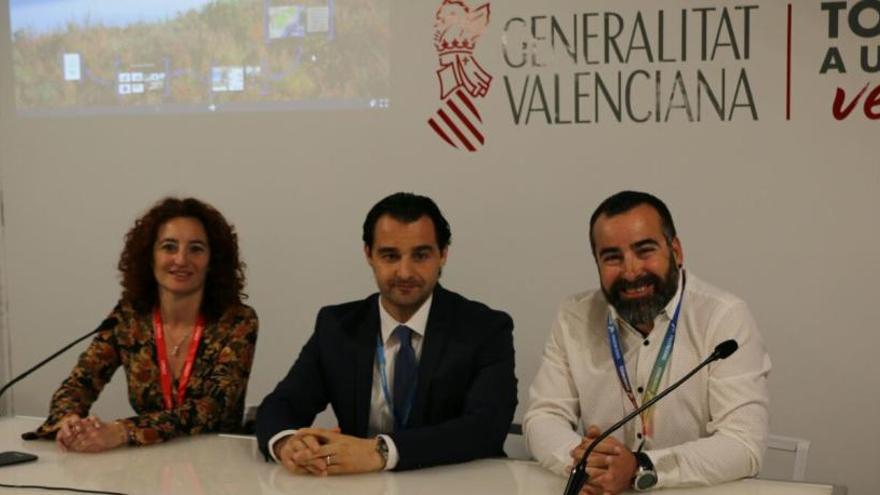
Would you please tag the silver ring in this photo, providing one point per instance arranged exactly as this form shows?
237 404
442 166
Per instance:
327 460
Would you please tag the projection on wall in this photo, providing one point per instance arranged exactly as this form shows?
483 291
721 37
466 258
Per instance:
158 56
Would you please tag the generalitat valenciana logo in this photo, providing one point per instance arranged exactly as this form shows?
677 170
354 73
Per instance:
457 27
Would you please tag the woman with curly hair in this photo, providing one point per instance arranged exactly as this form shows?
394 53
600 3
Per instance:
180 331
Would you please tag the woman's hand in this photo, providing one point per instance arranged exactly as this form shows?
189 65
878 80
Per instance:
90 434
65 432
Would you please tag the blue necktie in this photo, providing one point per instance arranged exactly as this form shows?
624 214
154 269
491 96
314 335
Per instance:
405 373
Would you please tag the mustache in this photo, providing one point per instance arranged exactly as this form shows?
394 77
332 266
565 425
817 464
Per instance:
621 285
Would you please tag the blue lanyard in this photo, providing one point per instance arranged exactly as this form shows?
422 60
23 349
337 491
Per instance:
399 423
660 364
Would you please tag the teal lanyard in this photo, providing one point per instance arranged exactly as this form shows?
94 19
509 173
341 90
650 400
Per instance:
660 364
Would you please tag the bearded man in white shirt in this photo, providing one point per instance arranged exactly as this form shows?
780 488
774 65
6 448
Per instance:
663 321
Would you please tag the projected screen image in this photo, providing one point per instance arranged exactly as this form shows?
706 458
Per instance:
129 56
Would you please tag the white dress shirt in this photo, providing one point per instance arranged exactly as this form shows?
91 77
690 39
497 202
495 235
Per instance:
381 416
712 429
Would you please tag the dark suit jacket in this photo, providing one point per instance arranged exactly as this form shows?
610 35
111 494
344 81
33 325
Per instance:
465 395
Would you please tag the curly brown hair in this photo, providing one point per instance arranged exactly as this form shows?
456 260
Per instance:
224 283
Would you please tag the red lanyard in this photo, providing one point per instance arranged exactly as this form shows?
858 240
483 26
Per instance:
162 355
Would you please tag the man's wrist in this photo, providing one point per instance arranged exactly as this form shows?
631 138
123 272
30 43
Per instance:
381 452
276 440
645 476
278 445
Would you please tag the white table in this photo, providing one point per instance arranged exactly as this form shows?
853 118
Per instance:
219 464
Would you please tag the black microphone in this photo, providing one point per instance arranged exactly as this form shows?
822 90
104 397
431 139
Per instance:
579 475
108 323
724 349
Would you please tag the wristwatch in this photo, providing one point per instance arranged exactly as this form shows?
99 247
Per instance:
646 477
382 449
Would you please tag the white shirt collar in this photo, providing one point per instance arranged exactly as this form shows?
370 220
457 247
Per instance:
417 323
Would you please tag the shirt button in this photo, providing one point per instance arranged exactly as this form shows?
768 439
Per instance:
647 342
639 436
641 389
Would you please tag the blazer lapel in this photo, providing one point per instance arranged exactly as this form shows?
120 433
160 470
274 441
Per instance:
366 332
433 348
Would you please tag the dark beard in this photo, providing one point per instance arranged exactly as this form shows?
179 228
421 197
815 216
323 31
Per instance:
643 311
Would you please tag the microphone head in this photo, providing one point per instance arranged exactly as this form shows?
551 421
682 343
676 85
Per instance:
726 348
108 323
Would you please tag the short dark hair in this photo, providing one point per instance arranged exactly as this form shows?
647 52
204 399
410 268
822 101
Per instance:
625 201
407 207
224 283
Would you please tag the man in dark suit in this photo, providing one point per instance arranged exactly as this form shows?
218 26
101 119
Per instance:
417 375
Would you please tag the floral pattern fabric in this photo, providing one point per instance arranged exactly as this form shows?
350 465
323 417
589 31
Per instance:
214 400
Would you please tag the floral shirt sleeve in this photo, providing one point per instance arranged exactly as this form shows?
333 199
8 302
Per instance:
214 399
93 370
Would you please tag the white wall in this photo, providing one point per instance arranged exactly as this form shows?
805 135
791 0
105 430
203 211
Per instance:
782 213
5 365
